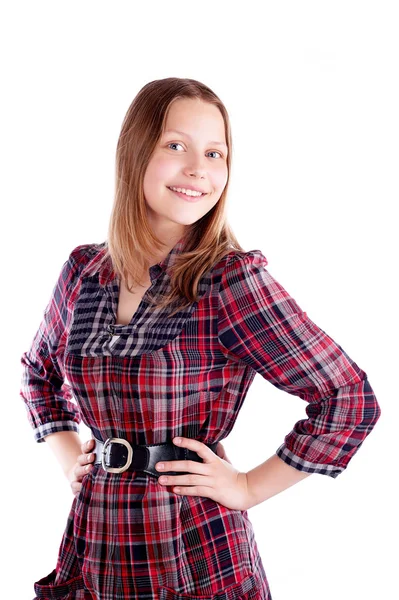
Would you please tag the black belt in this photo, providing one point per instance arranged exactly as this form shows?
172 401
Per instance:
117 455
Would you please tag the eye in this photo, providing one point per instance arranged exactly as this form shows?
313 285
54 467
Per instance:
212 151
174 144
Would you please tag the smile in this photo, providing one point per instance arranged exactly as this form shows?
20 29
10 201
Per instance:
187 197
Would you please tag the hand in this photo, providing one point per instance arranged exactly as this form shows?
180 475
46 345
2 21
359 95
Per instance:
76 474
215 478
220 451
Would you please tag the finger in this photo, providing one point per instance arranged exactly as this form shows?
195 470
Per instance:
77 492
86 468
87 446
81 471
190 480
201 449
194 490
83 459
191 466
76 487
221 452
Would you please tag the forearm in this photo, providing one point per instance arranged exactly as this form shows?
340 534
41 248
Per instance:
66 446
270 478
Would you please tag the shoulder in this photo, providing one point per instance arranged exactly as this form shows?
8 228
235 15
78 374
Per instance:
238 265
80 258
74 269
86 252
251 257
84 256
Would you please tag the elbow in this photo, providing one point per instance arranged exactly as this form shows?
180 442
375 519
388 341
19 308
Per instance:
371 407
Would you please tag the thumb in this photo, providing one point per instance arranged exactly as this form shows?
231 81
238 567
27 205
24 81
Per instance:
220 451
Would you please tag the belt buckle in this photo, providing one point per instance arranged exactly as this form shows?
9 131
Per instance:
129 455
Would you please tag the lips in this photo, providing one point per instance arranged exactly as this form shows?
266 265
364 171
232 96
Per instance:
187 198
186 188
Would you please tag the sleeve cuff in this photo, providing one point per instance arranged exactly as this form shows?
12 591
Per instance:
53 427
304 465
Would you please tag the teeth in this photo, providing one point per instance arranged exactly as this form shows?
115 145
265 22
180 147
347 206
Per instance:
187 192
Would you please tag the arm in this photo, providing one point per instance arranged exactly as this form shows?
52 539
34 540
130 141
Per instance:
48 399
270 478
260 324
66 446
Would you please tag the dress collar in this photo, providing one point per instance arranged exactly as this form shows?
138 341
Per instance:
107 274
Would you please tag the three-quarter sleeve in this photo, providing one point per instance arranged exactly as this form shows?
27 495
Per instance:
47 397
260 324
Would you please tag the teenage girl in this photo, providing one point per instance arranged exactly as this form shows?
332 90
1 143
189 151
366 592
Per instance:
158 333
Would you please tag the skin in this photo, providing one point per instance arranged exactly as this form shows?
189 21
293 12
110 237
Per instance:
181 160
177 160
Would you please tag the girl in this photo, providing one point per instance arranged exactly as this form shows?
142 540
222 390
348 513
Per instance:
160 332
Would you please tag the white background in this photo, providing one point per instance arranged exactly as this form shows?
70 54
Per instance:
311 89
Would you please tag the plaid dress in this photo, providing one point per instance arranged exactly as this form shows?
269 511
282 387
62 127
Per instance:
127 536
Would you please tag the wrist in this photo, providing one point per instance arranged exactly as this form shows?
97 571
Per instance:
249 500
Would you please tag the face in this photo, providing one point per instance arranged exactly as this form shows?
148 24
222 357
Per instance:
194 156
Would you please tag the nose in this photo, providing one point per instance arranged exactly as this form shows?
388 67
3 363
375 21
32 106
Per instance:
198 172
196 165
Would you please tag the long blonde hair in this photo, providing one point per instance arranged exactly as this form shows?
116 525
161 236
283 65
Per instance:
130 239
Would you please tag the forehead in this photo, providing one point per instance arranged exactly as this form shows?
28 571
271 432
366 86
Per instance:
194 117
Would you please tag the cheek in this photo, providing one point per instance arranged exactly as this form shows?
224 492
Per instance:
220 179
156 176
159 170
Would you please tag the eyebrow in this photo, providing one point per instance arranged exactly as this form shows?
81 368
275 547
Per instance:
186 134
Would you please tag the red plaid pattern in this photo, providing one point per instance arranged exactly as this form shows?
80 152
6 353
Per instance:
128 537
